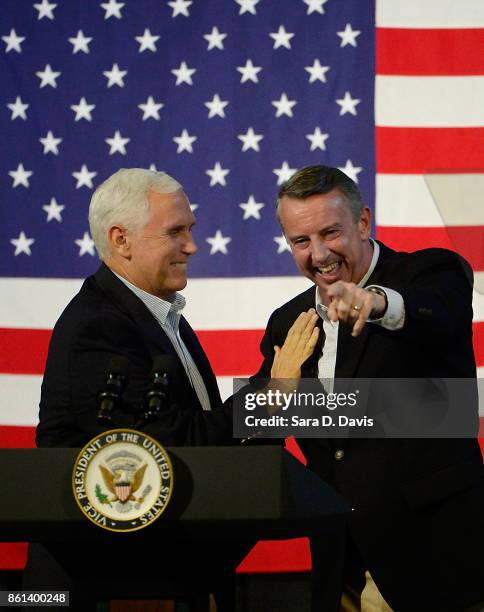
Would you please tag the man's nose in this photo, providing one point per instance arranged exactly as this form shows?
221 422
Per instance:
190 247
319 251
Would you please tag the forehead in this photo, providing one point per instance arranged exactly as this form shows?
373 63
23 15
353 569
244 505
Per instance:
170 209
314 213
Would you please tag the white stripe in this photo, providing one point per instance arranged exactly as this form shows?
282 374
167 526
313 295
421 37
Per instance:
220 303
23 392
408 101
226 385
240 303
431 200
480 374
404 200
430 13
459 197
34 302
478 297
243 303
19 399
479 294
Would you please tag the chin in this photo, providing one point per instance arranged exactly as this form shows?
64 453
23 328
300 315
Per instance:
179 286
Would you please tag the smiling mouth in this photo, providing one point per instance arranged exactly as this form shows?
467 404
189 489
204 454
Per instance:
328 269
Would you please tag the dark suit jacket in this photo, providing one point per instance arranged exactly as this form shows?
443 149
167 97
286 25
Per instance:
418 518
107 319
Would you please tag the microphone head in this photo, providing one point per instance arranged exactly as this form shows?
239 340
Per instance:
118 366
164 364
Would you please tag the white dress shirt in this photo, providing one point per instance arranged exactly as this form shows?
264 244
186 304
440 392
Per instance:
393 319
168 314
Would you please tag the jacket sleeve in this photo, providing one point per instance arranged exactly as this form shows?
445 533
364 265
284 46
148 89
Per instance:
437 296
76 372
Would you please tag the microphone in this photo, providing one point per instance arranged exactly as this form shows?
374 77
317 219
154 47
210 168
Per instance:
157 394
116 375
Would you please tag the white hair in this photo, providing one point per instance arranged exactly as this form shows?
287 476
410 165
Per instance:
123 199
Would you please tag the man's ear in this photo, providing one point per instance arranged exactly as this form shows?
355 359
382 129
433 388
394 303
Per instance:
364 224
119 241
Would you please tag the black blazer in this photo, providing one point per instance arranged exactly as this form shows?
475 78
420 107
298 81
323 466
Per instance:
418 504
107 319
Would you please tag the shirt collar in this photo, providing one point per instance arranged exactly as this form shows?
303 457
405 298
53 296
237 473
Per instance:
158 307
321 309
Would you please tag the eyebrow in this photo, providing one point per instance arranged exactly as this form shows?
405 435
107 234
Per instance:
179 226
333 226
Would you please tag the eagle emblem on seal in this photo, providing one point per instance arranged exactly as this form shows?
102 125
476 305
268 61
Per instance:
123 476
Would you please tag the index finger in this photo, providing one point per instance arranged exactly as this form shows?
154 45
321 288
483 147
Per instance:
336 289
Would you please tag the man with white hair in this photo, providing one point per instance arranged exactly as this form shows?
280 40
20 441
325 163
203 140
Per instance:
141 223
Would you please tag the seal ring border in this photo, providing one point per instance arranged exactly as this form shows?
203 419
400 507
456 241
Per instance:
132 431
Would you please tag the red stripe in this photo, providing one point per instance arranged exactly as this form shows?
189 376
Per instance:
429 150
466 240
287 556
24 351
241 358
478 340
430 51
232 352
293 447
17 437
267 556
277 556
13 556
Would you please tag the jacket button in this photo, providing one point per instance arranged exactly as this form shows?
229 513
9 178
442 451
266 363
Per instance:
339 454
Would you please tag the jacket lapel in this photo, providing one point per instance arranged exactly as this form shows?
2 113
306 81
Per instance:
309 368
350 350
154 337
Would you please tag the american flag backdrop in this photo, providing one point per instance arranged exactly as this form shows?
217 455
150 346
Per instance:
230 97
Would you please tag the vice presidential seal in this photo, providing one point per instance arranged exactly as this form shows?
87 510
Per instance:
122 480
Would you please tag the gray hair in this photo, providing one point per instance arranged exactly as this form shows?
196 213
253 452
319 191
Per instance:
315 180
123 199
